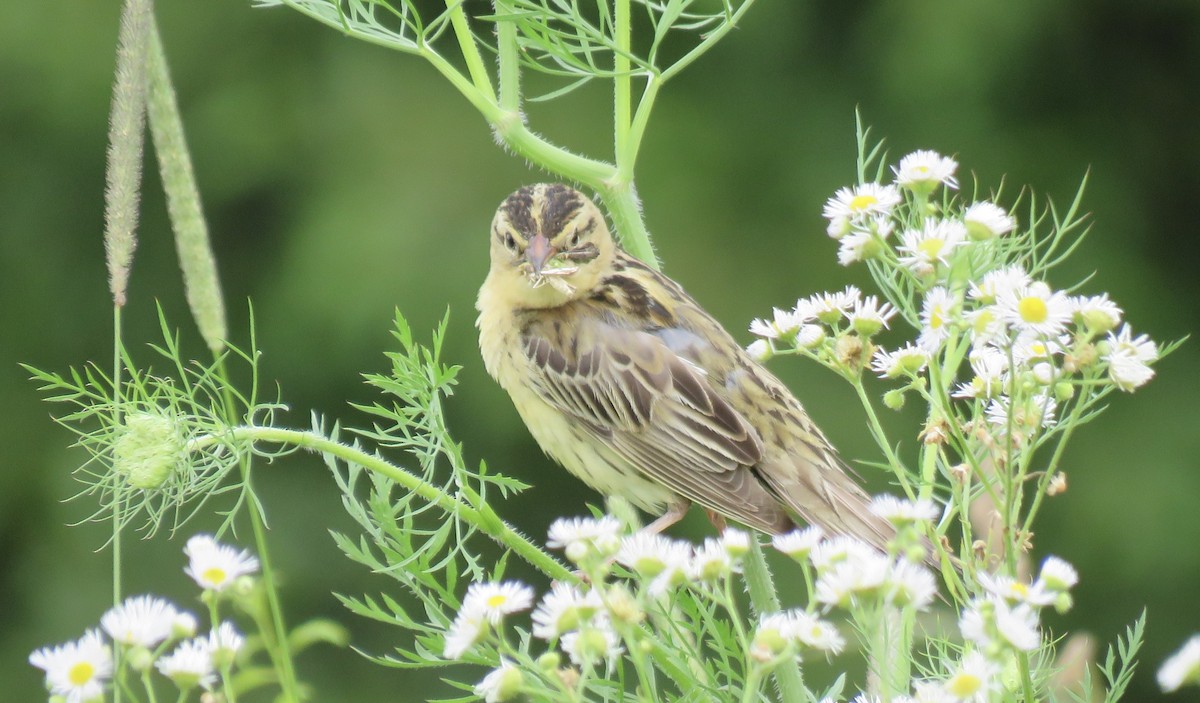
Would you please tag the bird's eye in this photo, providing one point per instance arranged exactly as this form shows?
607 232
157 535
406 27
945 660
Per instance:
509 241
575 239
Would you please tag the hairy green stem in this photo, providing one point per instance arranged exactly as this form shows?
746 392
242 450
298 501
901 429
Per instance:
470 51
118 487
482 517
622 94
510 64
765 600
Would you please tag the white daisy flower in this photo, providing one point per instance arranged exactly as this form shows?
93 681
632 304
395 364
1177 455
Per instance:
864 240
860 201
938 312
1033 348
1014 591
76 670
581 537
1057 575
781 324
1036 309
869 316
974 679
141 621
816 633
501 684
858 576
810 336
903 512
830 307
924 249
1096 313
1129 358
224 643
1044 373
710 562
838 549
1182 667
592 644
910 585
774 633
214 566
183 625
991 372
1032 414
986 326
563 609
986 220
991 622
736 542
1000 282
923 171
908 360
760 350
495 600
665 562
798 543
468 628
856 246
838 227
189 665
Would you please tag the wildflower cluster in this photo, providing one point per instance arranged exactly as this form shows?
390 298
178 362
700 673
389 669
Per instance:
153 635
646 602
1005 362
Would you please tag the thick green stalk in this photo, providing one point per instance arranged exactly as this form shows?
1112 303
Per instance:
483 517
765 600
470 51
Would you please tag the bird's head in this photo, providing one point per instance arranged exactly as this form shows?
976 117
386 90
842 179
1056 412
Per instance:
550 245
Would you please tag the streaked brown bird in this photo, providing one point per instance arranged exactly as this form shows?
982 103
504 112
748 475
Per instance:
628 383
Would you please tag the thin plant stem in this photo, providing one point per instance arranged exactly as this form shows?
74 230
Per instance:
277 643
470 51
118 486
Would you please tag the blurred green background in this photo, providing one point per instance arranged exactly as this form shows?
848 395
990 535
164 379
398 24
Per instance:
342 180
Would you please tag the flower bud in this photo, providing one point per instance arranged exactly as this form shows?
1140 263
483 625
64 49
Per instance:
1063 602
147 449
894 398
622 606
1064 391
549 661
760 350
509 684
140 658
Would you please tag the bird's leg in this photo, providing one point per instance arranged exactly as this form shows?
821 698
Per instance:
675 513
717 520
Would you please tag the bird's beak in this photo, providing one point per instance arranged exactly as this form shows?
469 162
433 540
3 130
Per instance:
538 252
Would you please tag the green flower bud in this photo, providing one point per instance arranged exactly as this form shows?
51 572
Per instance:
147 449
894 398
140 659
1064 602
549 661
1063 391
508 685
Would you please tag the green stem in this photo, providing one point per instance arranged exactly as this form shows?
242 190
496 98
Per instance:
627 151
275 639
147 685
622 204
765 600
470 51
622 95
510 63
881 438
118 488
482 517
1026 677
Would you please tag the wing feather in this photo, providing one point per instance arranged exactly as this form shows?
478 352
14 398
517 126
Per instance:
656 410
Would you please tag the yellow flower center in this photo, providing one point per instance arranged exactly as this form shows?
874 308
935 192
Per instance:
81 673
215 575
1033 309
497 600
937 318
964 685
1020 590
931 247
862 202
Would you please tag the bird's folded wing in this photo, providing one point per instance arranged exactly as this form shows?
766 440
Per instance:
655 409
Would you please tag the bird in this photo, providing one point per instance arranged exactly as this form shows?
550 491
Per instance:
628 383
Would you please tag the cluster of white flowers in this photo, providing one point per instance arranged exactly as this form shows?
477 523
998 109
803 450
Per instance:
585 620
143 626
1031 347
